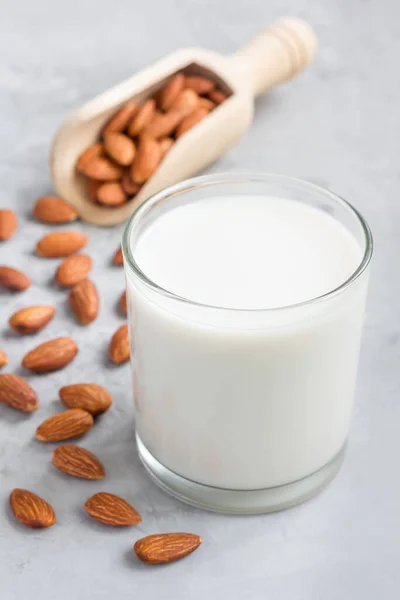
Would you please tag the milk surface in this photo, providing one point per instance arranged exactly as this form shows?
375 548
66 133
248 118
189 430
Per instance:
247 252
242 399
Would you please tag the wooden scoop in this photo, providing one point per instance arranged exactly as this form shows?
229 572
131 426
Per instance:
274 55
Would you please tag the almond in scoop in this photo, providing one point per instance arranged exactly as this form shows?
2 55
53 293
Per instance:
120 148
143 117
147 159
111 194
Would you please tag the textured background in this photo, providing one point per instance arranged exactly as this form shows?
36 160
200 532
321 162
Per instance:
338 126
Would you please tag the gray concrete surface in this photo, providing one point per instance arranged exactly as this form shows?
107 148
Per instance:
336 125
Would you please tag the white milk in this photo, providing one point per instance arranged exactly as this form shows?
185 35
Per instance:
245 399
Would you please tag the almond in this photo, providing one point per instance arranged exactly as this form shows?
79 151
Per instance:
164 124
64 426
143 117
31 510
170 91
120 120
217 96
88 396
118 257
186 102
51 209
31 318
130 187
111 194
73 269
102 169
92 187
84 301
190 121
8 224
15 392
166 547
3 359
120 148
50 356
112 510
165 145
61 243
206 103
13 279
200 85
118 350
122 303
88 155
78 462
147 159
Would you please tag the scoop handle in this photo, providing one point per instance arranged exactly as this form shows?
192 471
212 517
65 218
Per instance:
277 53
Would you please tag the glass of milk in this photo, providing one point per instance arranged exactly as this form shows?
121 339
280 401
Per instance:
246 297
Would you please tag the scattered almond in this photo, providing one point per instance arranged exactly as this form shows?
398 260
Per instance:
31 510
94 151
15 392
130 187
118 257
31 319
200 85
165 145
186 102
84 301
78 462
120 148
122 303
88 396
92 187
112 510
51 209
111 194
118 349
50 356
61 243
190 121
66 425
217 96
166 547
13 279
120 120
8 224
103 169
73 269
3 359
170 91
147 158
164 124
143 117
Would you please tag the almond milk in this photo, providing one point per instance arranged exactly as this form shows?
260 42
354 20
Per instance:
245 358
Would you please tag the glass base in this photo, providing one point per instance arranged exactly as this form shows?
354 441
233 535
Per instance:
245 502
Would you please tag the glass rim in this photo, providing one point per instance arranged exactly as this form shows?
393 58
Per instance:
220 178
